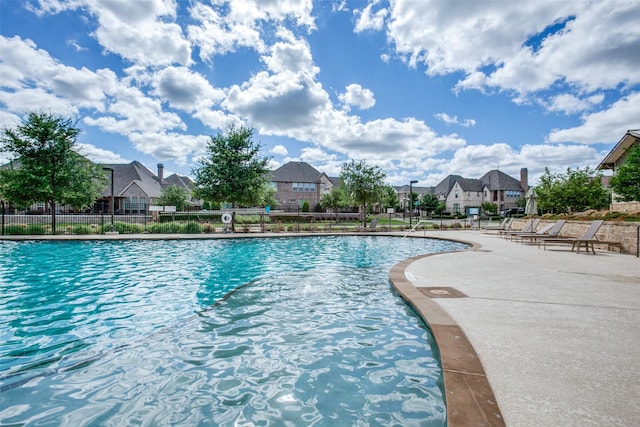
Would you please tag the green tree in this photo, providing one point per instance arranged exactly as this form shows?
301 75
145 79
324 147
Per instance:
364 184
489 208
335 200
575 191
390 198
626 182
429 203
174 195
232 169
45 166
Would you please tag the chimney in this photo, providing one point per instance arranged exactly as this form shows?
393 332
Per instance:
524 179
161 171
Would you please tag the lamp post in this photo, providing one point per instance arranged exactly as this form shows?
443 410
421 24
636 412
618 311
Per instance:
111 202
411 200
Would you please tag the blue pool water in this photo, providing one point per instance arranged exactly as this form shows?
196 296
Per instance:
254 332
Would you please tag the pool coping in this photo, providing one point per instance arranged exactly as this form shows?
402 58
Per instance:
468 393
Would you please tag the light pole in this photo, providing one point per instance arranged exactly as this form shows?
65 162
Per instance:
413 181
111 198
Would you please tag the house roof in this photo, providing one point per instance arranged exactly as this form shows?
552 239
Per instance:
295 172
618 152
126 175
498 180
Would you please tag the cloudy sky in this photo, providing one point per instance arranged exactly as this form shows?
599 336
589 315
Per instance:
421 88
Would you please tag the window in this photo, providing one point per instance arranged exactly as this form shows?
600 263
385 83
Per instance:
305 187
456 207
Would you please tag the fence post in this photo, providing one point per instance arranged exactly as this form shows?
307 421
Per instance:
3 217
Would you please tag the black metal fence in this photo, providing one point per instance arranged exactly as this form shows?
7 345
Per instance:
181 222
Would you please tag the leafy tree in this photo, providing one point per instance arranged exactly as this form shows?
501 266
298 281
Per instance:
390 198
626 182
429 203
232 169
575 191
364 184
488 207
335 200
174 195
45 166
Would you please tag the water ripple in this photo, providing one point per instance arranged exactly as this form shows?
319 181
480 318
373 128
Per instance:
253 332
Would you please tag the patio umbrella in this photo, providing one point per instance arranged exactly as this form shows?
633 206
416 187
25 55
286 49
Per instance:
531 208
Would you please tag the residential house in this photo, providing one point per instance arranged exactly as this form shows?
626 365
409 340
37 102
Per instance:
135 187
464 195
616 157
297 182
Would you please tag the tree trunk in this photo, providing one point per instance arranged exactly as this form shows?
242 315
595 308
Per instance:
53 217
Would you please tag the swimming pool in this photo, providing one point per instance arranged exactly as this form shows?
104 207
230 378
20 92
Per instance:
275 331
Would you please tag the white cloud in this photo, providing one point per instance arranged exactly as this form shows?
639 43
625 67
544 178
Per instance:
357 96
453 120
367 19
603 126
280 150
513 45
185 89
570 104
99 155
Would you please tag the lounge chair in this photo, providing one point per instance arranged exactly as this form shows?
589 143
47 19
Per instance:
529 227
542 232
587 239
503 225
549 231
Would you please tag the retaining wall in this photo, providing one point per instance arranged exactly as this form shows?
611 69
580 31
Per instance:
613 231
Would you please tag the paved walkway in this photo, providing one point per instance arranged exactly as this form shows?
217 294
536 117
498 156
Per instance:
558 333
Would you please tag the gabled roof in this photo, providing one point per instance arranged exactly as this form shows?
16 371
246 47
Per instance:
445 186
295 172
124 175
498 180
618 152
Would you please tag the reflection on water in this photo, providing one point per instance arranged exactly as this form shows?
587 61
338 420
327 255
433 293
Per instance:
148 333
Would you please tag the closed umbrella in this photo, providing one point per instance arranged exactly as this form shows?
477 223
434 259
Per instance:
531 208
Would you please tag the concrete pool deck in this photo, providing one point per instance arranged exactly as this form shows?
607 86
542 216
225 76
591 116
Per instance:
558 333
528 337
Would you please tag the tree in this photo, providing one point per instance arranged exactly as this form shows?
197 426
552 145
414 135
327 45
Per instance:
488 208
45 166
429 203
626 182
232 169
174 195
335 200
390 198
575 191
364 184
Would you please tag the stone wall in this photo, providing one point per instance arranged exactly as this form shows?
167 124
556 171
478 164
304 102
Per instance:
611 231
625 207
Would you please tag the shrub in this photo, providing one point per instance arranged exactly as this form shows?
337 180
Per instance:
81 229
191 228
16 229
123 227
208 228
37 229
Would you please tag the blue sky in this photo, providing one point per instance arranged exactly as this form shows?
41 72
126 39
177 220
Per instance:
423 89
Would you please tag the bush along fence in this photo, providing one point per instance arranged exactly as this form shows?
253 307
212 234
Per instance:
180 222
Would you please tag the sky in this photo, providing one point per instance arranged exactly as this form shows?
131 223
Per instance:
420 88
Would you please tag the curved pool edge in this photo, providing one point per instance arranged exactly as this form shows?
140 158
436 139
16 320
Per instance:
469 397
